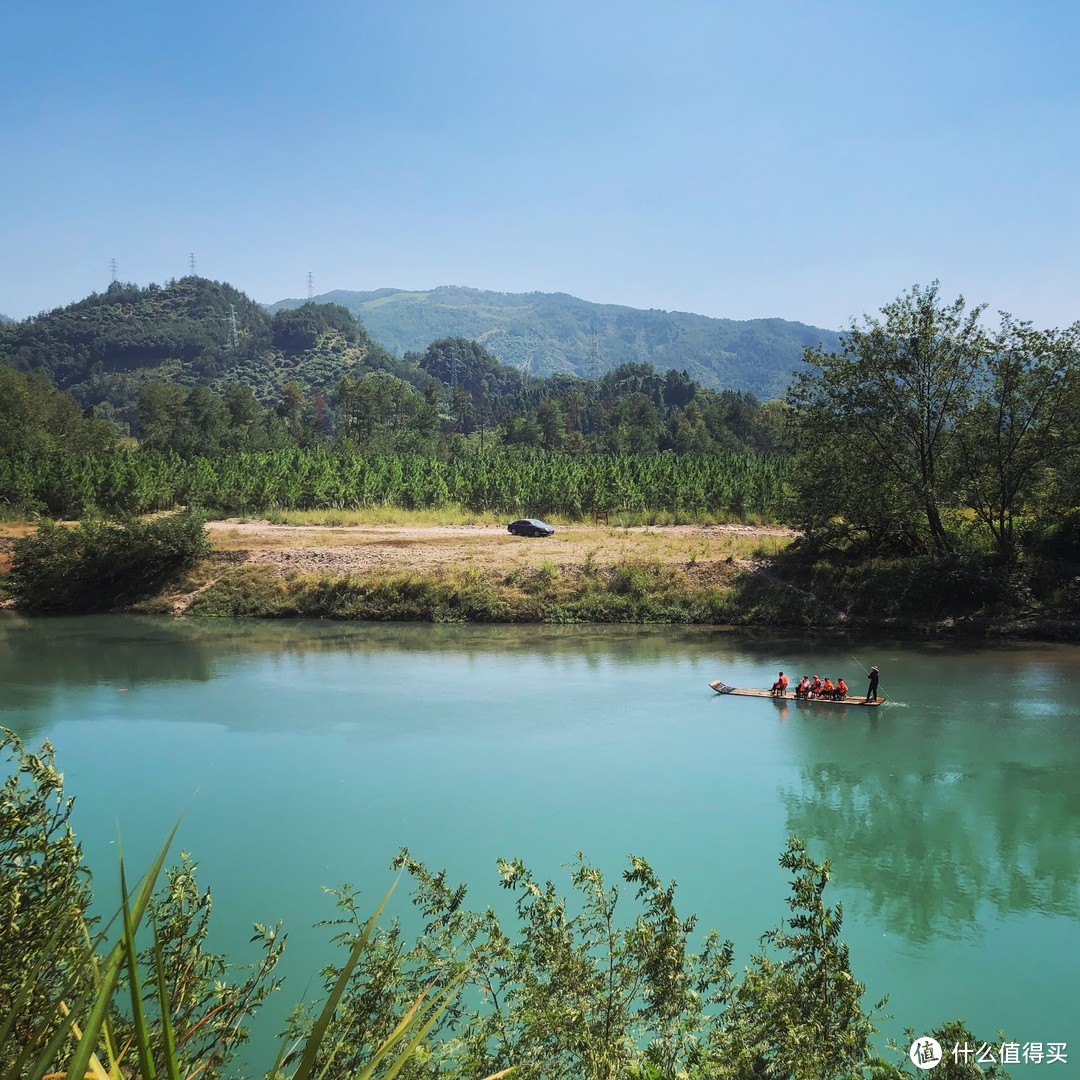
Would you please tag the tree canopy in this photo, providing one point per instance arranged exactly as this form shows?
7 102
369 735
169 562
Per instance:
925 415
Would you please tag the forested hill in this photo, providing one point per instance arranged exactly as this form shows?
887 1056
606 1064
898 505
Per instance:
106 348
548 333
5 318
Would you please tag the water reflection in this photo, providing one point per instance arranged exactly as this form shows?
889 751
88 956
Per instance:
940 814
40 657
96 649
933 853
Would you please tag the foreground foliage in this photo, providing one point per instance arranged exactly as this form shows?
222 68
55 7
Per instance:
583 989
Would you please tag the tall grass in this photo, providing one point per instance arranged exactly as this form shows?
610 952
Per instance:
101 1028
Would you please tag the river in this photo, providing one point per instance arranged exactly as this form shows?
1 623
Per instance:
301 755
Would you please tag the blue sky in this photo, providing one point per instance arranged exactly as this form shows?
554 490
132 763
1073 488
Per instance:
741 159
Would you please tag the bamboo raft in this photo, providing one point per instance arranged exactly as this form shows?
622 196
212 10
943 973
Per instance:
739 691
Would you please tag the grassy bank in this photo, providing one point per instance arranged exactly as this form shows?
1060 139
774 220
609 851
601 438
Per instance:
630 592
963 595
433 571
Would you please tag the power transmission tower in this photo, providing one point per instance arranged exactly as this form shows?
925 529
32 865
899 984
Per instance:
310 285
233 340
114 269
594 356
191 263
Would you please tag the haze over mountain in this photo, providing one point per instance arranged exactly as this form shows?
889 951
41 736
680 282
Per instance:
196 366
106 348
545 333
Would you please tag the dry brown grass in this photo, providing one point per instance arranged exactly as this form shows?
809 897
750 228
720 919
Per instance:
705 552
12 530
489 548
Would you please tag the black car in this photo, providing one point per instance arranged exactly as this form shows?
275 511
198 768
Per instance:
529 527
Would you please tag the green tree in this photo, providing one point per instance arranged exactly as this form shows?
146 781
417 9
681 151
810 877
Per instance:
379 411
1023 423
207 423
209 1000
522 431
886 408
292 408
37 419
163 415
250 426
458 362
44 893
584 988
299 329
799 1015
550 420
959 1049
633 425
49 943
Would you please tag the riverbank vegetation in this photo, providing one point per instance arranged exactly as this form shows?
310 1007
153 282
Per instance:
930 434
102 565
601 983
634 592
931 465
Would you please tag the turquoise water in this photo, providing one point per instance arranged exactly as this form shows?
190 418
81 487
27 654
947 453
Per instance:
303 755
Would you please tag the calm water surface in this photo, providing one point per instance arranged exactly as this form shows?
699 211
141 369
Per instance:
303 755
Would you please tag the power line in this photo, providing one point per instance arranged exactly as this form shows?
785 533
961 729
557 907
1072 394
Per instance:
310 284
114 269
191 263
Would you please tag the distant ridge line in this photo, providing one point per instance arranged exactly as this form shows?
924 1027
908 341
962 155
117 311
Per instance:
557 333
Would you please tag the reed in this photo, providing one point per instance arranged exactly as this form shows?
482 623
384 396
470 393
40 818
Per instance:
107 1032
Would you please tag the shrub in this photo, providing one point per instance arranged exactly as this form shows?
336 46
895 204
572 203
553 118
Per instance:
102 565
1060 538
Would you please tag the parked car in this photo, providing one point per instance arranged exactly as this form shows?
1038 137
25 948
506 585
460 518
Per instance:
529 527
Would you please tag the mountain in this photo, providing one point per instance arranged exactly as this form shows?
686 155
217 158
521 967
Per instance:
105 348
545 333
5 318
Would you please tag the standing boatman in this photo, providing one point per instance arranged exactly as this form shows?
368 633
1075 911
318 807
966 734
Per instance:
871 693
